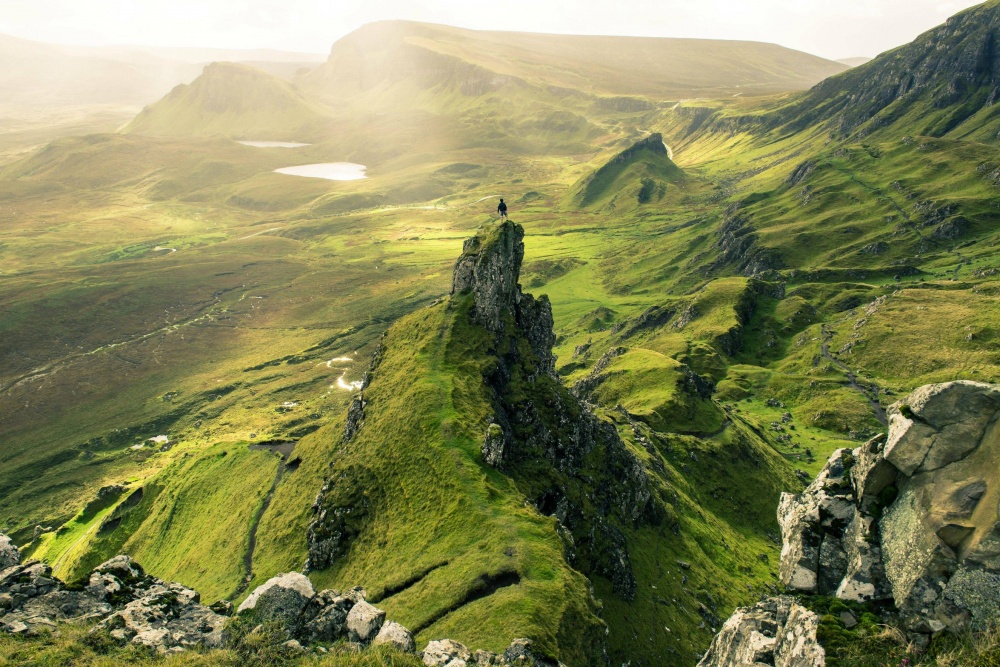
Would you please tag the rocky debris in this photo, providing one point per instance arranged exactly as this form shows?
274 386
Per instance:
164 617
494 445
329 616
10 555
776 631
131 605
911 517
448 653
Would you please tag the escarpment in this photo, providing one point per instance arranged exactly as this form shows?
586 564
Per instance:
572 465
909 519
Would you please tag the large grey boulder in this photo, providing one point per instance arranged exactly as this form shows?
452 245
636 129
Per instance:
941 536
9 553
776 631
394 634
282 598
446 652
364 622
939 424
165 617
813 524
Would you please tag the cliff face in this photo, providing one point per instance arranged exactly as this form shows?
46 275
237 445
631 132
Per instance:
489 268
572 465
956 65
908 518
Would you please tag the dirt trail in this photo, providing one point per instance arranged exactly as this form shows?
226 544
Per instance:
870 394
284 450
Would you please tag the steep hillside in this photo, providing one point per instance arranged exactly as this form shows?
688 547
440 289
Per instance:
946 77
235 101
185 329
640 174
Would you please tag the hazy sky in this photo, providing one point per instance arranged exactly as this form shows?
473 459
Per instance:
830 28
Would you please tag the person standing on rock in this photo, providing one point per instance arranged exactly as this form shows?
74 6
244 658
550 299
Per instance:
502 209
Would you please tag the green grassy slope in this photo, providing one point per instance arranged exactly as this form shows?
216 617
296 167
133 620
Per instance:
606 66
785 286
235 101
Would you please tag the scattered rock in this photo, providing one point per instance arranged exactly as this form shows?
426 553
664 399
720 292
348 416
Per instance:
396 635
446 652
364 622
9 553
776 631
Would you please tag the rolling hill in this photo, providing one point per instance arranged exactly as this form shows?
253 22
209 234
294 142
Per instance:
796 262
235 101
477 61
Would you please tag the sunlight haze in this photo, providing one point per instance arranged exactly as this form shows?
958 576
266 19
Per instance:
829 29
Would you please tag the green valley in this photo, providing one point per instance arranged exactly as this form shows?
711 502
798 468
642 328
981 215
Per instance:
747 254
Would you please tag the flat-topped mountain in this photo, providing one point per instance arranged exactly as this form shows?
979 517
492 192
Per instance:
424 54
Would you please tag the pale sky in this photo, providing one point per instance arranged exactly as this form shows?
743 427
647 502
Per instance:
829 28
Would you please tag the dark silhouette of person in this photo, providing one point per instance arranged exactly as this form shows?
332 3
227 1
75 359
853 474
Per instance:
502 209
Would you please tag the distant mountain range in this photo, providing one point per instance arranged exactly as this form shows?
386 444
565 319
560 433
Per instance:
40 75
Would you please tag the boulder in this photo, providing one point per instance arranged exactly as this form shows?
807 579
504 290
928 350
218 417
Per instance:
939 424
282 598
446 652
9 553
164 617
941 537
813 524
364 621
327 617
776 631
394 634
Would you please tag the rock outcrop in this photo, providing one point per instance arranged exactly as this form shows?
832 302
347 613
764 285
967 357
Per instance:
131 605
290 600
914 519
9 553
489 267
777 632
536 419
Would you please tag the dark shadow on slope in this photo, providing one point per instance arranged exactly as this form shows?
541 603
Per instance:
484 586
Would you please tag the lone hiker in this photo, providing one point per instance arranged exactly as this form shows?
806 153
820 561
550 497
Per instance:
502 209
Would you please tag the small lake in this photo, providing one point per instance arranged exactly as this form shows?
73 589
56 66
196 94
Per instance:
332 171
272 144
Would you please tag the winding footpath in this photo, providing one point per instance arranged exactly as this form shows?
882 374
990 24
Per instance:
870 394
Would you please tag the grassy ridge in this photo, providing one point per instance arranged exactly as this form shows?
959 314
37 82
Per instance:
873 260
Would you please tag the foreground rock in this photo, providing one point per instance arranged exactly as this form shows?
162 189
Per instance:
328 616
912 517
9 554
133 606
775 632
448 653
